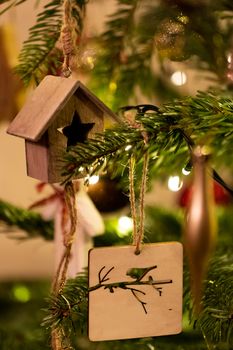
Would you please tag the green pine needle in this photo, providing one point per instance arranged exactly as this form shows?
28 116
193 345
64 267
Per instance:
69 309
175 128
39 55
35 55
26 220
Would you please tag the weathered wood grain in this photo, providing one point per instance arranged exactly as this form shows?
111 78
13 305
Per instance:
51 107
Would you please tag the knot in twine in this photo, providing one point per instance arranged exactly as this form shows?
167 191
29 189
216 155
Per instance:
67 47
68 34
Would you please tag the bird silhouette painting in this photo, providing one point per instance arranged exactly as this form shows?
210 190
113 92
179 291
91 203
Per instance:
135 295
137 274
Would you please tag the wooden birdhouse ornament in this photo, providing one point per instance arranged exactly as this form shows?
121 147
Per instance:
60 113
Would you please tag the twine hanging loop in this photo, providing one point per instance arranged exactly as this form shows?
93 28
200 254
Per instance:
69 33
57 335
137 212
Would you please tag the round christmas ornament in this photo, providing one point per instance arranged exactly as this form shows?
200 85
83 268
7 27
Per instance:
107 196
170 40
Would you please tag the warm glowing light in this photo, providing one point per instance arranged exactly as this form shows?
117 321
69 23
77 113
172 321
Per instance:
21 293
90 62
179 78
174 183
185 172
183 19
112 86
151 347
93 179
125 225
127 148
81 168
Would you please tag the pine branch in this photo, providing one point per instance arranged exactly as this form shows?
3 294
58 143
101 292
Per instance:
12 4
172 130
184 29
29 221
141 31
215 321
39 54
117 65
34 56
71 303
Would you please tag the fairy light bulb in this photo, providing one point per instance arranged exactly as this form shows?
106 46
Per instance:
88 58
174 183
127 148
93 179
185 172
125 225
179 78
112 86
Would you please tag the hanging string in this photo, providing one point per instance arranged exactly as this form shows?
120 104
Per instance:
60 276
56 341
132 197
57 335
69 237
66 37
138 218
140 231
69 31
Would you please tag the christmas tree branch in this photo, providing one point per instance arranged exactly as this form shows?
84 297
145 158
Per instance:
134 34
39 54
29 221
172 130
124 62
215 321
35 54
113 67
184 29
167 30
72 301
13 3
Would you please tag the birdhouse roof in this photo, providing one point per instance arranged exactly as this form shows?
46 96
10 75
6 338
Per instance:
46 102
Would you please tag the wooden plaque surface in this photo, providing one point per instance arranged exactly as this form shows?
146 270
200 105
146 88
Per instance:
135 296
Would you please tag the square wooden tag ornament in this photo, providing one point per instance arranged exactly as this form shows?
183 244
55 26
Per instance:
135 296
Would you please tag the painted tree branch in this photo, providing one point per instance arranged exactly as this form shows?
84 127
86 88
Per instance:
137 274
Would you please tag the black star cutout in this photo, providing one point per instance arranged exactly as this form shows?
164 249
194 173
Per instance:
77 131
